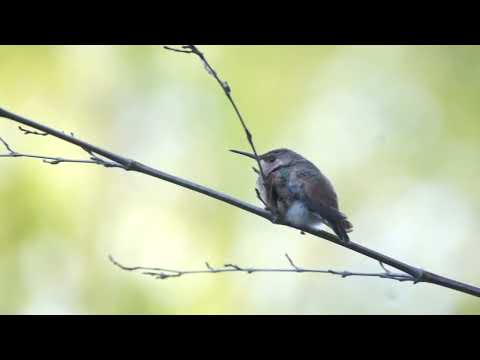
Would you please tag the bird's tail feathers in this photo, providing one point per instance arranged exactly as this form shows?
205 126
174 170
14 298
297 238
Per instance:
341 226
340 230
347 225
337 221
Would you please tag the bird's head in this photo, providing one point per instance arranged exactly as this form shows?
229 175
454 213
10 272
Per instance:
273 159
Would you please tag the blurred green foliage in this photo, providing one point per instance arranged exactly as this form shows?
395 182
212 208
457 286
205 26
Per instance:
394 127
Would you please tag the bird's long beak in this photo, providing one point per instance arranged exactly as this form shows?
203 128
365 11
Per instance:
251 156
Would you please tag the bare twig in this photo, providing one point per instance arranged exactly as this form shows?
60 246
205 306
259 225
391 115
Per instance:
162 273
56 160
259 197
417 274
192 49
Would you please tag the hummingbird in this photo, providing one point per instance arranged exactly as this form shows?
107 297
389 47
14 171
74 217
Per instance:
294 189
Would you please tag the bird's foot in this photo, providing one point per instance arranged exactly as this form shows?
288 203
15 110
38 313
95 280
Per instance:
418 276
276 217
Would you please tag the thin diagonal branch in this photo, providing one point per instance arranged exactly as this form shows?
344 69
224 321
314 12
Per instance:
162 273
418 274
132 165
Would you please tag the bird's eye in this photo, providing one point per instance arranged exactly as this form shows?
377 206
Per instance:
270 158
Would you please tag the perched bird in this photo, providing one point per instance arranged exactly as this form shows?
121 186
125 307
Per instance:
298 192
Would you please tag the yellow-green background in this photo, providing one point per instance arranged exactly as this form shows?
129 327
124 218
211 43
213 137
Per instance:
396 129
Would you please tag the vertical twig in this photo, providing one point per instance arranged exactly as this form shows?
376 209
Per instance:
192 49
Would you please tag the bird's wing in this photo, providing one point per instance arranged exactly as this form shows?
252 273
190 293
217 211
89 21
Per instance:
321 198
318 189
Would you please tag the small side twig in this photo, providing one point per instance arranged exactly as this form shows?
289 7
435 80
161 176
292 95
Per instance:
292 263
179 50
259 197
30 132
